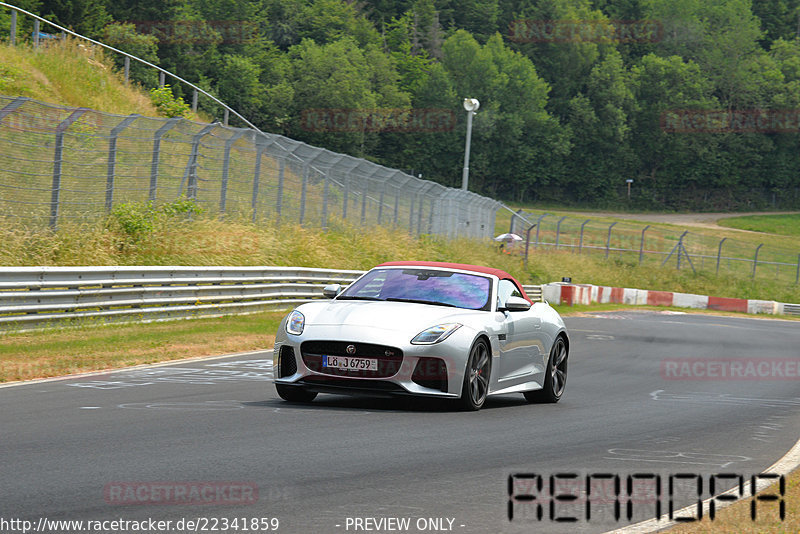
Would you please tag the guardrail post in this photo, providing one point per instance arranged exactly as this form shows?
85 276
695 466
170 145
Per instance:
36 33
719 252
755 260
55 196
279 200
112 157
156 153
641 245
127 70
538 226
190 175
226 165
13 35
261 146
608 239
558 230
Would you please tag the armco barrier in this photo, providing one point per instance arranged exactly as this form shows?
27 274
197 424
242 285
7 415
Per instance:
571 294
34 297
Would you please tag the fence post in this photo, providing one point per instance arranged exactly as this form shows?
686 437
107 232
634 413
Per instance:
608 239
112 157
364 194
161 78
419 213
13 35
755 260
641 245
346 195
190 175
303 188
156 152
719 252
558 230
36 33
226 164
396 205
127 70
797 276
57 160
325 191
226 116
380 203
539 220
194 100
580 244
261 145
411 215
279 200
528 241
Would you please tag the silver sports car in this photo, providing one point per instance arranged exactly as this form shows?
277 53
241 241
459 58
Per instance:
424 328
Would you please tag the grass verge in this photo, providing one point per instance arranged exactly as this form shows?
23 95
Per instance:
63 351
771 224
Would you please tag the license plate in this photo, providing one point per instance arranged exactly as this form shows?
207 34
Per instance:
347 363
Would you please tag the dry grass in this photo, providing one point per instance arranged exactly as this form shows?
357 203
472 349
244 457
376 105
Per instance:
24 356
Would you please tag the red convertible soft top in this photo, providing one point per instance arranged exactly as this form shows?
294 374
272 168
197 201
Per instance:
502 275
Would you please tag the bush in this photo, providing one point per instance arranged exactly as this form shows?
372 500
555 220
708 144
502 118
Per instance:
167 104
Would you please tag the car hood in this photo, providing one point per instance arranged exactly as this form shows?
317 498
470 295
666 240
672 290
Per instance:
407 317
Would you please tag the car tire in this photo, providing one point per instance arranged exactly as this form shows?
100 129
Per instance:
476 377
294 393
555 379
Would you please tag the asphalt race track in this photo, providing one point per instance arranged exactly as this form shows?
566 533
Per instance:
153 442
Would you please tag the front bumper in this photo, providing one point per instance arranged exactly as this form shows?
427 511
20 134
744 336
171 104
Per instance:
403 369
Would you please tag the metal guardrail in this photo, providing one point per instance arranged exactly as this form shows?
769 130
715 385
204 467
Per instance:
36 297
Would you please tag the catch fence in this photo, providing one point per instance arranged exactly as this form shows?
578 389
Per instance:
641 244
59 163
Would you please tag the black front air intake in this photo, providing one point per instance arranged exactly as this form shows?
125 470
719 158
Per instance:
288 362
388 359
430 373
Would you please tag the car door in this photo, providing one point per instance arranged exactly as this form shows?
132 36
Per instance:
521 352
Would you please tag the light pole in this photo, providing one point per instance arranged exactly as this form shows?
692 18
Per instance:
471 105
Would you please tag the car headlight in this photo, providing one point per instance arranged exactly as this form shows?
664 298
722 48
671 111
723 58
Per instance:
295 323
435 334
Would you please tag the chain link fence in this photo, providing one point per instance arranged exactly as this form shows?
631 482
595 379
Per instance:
60 163
638 244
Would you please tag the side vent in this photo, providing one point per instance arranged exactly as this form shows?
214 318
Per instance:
288 363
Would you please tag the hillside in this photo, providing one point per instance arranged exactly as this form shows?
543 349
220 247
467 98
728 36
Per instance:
49 74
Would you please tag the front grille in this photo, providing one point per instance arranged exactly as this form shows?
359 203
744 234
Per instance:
389 358
430 373
288 363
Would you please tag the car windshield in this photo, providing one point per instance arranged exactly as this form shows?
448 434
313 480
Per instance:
427 286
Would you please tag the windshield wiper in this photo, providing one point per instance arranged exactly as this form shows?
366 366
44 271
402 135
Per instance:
421 301
356 297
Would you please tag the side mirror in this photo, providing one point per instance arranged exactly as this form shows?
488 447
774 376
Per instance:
332 290
517 304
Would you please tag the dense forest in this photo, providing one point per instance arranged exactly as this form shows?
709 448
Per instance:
696 101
